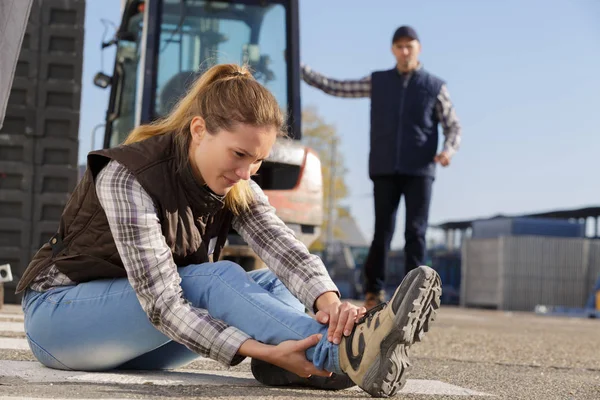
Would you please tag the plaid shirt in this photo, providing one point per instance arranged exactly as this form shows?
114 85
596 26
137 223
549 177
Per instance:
153 274
362 88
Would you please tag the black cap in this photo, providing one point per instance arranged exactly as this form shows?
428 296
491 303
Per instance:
405 31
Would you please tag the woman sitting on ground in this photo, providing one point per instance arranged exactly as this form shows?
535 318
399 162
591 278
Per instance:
131 279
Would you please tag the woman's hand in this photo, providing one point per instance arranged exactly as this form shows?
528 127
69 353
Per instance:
291 355
341 318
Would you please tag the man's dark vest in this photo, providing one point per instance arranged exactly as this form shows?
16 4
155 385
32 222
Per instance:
404 123
190 215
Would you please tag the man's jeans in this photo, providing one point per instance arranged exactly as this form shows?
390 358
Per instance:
100 325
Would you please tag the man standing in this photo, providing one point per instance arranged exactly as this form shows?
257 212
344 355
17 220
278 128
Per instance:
407 104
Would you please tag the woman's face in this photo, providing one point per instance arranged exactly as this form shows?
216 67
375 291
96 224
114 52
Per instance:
223 158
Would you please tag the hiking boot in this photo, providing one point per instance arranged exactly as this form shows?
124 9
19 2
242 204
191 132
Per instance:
272 375
375 355
374 299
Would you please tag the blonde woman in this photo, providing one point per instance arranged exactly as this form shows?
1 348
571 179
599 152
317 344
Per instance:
131 278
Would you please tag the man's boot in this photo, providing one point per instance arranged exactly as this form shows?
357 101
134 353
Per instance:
375 355
374 299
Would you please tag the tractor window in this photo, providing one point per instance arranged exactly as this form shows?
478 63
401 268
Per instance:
127 60
195 35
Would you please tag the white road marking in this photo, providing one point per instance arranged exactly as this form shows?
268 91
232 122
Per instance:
11 317
12 327
419 386
35 372
13 344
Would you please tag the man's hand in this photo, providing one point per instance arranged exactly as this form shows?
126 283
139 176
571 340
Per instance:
341 318
442 158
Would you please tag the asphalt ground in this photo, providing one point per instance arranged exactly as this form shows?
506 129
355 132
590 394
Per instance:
467 354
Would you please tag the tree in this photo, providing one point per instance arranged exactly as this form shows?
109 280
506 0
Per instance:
323 139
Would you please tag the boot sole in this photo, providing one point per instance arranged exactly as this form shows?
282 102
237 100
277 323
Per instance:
415 304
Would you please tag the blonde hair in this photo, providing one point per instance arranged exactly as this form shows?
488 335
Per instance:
223 96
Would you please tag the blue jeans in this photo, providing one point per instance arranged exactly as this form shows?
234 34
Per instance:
100 325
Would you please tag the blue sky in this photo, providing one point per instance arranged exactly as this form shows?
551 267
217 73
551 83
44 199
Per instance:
523 76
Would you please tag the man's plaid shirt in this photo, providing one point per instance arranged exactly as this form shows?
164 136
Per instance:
153 274
362 88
